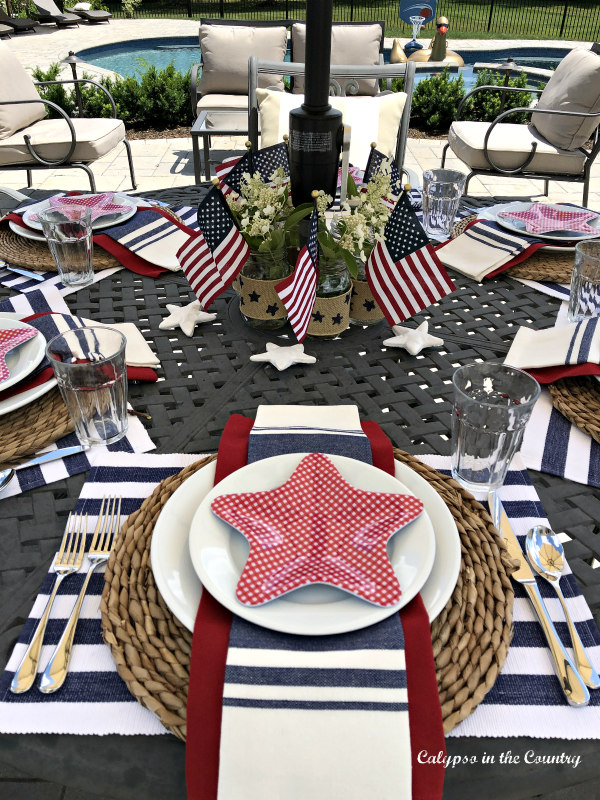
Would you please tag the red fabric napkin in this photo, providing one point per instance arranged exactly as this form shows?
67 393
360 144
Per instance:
211 639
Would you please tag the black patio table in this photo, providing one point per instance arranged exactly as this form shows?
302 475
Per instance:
207 378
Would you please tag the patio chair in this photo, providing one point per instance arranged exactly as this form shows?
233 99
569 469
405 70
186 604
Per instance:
48 11
29 141
383 118
552 146
220 97
17 24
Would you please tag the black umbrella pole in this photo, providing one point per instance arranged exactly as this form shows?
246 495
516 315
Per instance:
316 129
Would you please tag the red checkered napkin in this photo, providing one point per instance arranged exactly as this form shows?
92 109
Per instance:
542 218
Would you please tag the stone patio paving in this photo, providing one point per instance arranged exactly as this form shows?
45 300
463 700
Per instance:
162 163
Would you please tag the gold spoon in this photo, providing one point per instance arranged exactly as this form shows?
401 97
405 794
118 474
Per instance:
546 556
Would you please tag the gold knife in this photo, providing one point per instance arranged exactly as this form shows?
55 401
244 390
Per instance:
571 682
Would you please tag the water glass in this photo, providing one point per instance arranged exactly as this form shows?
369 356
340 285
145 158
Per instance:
68 231
584 299
442 190
492 404
89 366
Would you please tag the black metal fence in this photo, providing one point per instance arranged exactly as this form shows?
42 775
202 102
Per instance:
577 20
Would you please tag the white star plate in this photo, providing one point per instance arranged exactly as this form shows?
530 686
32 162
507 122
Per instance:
515 225
181 588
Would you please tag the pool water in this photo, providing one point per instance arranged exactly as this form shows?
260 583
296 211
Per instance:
130 58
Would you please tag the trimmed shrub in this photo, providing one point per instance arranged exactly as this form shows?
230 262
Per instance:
485 106
435 101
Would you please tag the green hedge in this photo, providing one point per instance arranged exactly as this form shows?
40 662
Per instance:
160 99
436 100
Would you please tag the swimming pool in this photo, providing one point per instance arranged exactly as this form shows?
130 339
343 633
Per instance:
128 58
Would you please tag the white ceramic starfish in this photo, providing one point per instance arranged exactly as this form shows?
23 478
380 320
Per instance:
186 317
284 357
413 339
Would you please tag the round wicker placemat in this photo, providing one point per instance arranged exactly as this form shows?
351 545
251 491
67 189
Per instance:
578 399
33 254
32 427
541 266
470 637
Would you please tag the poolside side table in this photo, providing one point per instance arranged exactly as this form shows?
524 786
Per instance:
206 125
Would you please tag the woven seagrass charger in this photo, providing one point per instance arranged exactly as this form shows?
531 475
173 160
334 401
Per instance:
471 635
32 427
578 399
541 266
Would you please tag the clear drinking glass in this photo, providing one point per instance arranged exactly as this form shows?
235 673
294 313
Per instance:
442 190
492 404
89 365
584 300
68 231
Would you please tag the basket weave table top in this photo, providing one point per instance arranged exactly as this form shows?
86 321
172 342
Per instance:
209 377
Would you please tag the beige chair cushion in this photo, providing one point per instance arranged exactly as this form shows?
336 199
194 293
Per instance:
372 119
51 138
225 53
508 146
574 86
16 85
350 44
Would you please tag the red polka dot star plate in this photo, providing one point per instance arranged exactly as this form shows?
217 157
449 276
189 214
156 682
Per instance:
335 544
21 350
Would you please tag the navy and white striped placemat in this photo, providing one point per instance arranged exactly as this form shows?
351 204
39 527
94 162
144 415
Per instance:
525 701
559 290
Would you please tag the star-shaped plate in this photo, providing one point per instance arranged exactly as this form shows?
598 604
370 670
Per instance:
219 554
555 222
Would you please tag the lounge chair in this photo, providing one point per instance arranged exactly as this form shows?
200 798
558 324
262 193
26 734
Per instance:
91 14
552 145
29 141
18 24
48 11
6 30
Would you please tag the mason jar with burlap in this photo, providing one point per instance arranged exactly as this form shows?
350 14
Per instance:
331 313
364 309
260 305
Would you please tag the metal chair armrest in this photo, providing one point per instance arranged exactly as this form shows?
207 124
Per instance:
84 80
194 88
27 138
500 118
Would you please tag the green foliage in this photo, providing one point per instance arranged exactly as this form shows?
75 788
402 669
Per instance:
130 7
485 106
96 5
59 94
435 101
159 99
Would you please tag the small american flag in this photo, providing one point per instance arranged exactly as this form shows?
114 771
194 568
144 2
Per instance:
376 159
223 169
264 161
298 291
404 273
213 256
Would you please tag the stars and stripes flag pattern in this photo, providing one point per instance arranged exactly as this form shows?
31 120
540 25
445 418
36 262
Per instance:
376 159
298 292
264 161
404 273
214 255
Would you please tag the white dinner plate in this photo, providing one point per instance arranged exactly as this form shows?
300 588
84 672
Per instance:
104 221
181 588
492 213
24 398
219 553
24 358
25 232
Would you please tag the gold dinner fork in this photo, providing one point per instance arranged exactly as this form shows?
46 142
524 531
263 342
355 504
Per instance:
68 561
105 534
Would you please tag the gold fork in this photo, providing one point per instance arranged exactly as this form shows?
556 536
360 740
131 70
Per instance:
68 561
105 533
